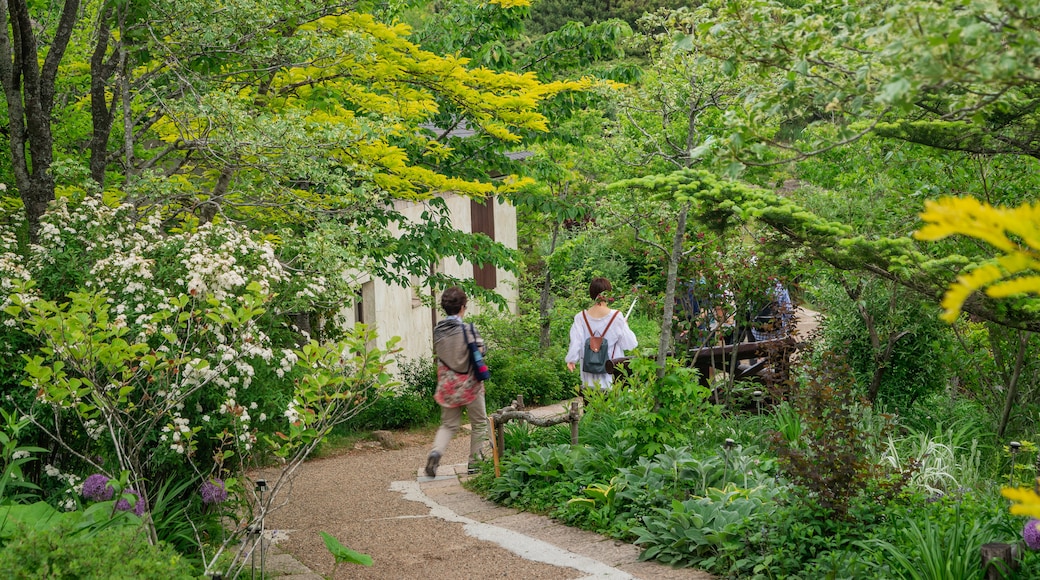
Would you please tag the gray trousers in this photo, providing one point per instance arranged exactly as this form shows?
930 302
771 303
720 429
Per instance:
451 420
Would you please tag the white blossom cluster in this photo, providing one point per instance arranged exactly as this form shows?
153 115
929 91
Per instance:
178 433
94 429
286 362
213 258
11 268
141 267
291 413
313 288
73 482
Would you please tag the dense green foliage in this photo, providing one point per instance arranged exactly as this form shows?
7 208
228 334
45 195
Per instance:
408 406
59 553
808 490
549 15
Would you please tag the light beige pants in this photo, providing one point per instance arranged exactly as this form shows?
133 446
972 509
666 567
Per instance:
451 420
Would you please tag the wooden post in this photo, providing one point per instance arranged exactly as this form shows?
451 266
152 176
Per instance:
494 445
500 438
998 560
519 402
574 422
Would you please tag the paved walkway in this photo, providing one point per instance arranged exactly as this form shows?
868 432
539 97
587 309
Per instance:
535 546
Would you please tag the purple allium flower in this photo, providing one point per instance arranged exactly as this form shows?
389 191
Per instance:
1031 534
123 504
213 491
96 488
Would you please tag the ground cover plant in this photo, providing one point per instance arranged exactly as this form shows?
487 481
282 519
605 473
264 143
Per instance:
747 495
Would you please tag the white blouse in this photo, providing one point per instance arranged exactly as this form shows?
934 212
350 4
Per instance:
619 336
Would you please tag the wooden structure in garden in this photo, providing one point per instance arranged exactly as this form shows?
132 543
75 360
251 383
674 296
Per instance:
516 412
771 360
1000 560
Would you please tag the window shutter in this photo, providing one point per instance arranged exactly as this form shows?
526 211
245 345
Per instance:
482 221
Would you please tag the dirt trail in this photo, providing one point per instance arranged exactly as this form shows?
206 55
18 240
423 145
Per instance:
350 497
375 501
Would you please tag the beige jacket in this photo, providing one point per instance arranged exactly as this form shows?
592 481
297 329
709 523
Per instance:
449 342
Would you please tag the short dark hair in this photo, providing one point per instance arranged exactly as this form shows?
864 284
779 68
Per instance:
452 300
597 287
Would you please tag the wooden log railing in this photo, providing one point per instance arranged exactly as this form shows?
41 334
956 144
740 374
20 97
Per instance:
721 357
516 412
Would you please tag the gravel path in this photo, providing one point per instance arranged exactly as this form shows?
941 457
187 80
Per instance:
375 501
350 497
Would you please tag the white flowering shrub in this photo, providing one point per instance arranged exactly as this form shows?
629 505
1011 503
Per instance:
148 355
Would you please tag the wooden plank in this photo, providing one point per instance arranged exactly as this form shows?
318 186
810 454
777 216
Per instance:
745 350
720 357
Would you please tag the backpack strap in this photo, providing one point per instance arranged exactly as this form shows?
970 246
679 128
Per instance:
473 333
604 333
587 323
616 312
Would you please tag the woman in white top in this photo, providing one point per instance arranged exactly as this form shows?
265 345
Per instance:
619 336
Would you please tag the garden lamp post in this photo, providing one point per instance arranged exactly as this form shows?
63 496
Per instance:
258 530
758 401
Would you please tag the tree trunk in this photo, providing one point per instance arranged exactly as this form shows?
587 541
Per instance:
102 113
669 289
545 302
881 357
1012 385
29 90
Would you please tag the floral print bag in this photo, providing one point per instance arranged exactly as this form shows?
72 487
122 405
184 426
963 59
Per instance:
455 389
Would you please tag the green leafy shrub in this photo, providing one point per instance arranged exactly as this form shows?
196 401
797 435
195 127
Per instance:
419 375
801 539
409 406
540 379
396 411
699 531
121 553
600 503
540 479
654 413
913 326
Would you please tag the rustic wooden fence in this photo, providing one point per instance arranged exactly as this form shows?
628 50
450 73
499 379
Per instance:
516 412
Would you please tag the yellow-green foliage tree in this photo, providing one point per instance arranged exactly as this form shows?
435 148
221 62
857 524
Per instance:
306 120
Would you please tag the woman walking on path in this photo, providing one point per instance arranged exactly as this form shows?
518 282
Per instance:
456 385
599 320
